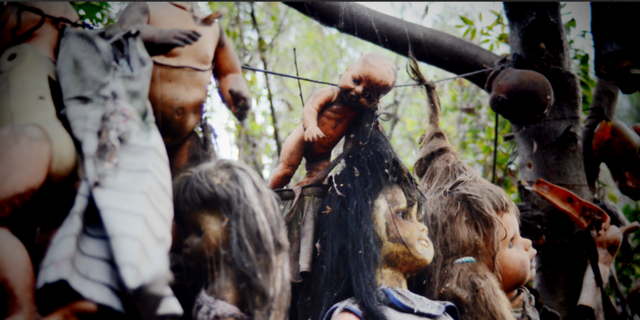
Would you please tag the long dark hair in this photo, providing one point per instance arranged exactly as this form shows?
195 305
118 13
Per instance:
257 255
349 246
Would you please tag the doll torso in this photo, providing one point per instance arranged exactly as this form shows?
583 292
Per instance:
177 94
334 120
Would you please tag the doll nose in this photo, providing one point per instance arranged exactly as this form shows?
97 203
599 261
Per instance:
527 245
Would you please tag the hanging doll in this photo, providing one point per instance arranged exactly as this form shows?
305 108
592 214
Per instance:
113 247
482 262
371 238
329 116
187 47
235 261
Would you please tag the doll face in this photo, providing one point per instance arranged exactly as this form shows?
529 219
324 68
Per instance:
406 245
515 255
364 83
207 233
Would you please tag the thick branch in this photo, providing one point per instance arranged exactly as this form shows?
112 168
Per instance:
430 46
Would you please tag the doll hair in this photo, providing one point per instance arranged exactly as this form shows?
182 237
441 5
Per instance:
463 217
349 246
257 255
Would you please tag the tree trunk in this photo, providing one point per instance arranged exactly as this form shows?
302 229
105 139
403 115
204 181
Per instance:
430 46
551 150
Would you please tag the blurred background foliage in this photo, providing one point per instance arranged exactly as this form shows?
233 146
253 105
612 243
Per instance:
265 35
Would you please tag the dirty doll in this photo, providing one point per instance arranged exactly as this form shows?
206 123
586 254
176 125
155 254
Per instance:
371 238
38 157
234 261
329 115
482 262
186 47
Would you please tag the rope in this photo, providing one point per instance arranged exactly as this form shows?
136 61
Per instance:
335 85
41 13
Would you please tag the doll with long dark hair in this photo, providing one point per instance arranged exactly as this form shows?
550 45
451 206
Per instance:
371 238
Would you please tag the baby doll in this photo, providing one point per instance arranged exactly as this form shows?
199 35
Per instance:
235 248
329 115
371 238
186 46
482 262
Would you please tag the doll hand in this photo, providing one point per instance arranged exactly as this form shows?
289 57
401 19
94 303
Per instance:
178 37
241 103
313 134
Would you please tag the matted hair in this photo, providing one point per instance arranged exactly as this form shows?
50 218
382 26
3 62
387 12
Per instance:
349 246
464 220
258 247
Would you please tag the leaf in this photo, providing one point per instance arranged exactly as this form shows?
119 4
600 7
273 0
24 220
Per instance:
480 16
485 41
465 33
426 10
491 47
466 21
473 33
494 12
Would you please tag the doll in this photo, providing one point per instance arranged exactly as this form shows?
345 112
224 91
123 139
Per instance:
483 262
371 238
187 47
235 261
329 115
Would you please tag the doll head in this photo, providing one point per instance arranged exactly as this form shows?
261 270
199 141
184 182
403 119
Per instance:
515 256
406 247
371 209
466 217
236 243
365 82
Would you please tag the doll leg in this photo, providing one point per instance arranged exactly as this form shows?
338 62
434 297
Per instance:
313 168
16 277
24 164
290 159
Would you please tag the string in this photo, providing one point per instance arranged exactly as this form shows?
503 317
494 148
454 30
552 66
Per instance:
335 85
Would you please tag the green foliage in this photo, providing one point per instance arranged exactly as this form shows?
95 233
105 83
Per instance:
488 37
96 13
628 272
581 66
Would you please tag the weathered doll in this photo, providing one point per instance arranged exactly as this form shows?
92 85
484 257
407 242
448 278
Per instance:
38 157
186 47
482 262
371 238
235 261
330 114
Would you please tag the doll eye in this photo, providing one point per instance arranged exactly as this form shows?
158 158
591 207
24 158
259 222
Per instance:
402 214
510 244
356 81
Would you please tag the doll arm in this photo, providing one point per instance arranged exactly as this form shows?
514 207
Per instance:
608 243
231 85
311 109
157 41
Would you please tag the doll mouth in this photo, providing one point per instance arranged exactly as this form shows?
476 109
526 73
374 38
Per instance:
424 243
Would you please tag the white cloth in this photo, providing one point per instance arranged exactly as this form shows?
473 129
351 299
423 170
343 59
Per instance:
105 86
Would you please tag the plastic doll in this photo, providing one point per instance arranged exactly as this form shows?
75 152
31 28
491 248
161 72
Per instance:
235 251
371 238
187 47
482 262
329 115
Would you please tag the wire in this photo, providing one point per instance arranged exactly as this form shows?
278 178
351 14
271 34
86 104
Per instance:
335 85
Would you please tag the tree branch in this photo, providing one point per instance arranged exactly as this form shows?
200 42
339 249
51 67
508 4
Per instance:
430 46
263 56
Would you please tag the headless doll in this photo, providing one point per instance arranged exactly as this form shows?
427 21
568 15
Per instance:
186 47
329 114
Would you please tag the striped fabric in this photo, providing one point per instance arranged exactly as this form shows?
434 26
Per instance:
122 250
